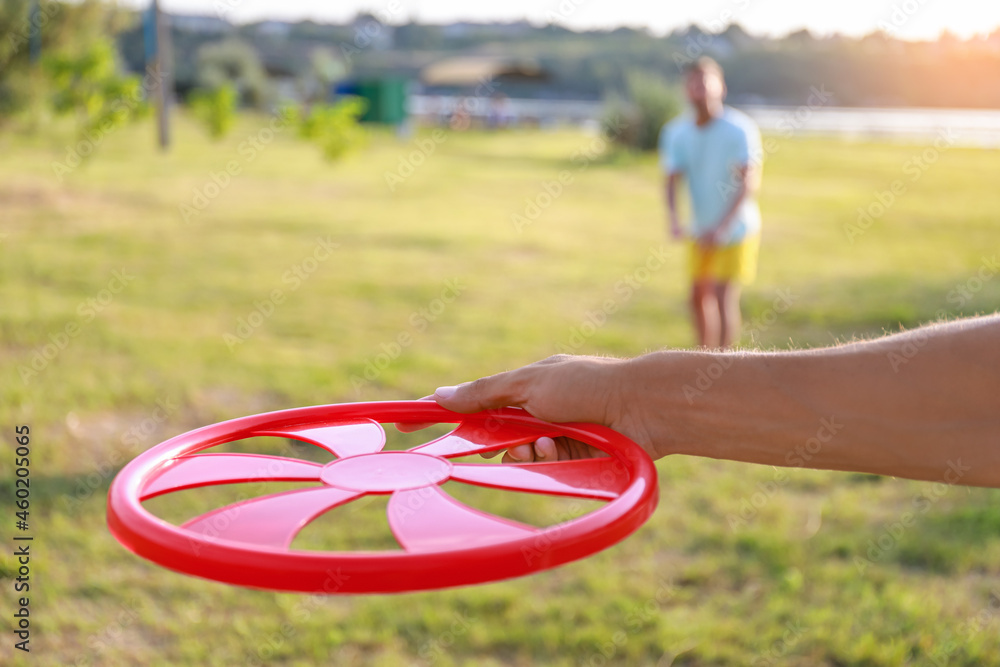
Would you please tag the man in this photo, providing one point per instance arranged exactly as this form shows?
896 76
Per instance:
715 149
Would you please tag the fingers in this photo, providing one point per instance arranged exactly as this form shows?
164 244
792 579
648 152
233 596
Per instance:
465 398
546 450
495 391
519 454
543 449
410 428
539 388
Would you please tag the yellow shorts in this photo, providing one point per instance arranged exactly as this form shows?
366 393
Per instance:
731 263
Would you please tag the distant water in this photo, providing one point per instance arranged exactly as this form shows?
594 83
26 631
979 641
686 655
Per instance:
968 127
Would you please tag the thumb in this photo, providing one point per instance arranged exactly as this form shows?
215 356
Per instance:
495 391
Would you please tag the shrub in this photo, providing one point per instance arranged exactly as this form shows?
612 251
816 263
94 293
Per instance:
87 85
235 63
335 127
216 109
635 122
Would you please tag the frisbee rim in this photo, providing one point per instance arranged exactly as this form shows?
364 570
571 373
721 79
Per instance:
273 568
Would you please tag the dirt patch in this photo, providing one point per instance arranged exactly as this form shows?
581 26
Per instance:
108 439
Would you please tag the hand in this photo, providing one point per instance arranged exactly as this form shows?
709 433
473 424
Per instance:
712 238
676 232
562 388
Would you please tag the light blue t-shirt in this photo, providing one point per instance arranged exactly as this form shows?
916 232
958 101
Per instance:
708 157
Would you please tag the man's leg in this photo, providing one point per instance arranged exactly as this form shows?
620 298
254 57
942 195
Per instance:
705 312
727 295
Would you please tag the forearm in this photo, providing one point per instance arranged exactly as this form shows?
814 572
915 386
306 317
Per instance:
734 205
923 405
670 193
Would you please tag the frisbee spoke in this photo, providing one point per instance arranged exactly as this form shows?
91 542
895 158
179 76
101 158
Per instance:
272 520
188 472
472 438
600 478
428 519
342 440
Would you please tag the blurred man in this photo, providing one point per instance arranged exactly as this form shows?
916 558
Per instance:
717 149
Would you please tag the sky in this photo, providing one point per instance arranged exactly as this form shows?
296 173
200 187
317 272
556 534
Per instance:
905 19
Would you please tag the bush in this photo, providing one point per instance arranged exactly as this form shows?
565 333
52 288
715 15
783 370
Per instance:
87 85
216 109
335 127
635 122
235 63
67 28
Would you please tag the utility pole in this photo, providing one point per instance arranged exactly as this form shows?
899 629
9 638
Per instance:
35 32
162 74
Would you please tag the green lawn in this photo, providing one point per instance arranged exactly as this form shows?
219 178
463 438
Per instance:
297 275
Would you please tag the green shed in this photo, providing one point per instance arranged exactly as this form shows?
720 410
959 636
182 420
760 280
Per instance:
386 97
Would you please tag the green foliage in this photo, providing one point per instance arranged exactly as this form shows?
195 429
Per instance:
335 127
636 122
62 27
871 71
235 63
313 84
87 85
215 108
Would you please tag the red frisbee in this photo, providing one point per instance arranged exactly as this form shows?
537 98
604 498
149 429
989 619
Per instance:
444 542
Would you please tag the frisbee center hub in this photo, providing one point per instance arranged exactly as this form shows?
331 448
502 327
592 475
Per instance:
384 472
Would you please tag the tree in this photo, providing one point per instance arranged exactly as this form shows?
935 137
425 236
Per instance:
335 127
636 122
61 28
235 63
87 85
216 109
324 70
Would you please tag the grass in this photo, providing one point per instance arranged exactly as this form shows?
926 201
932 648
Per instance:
432 283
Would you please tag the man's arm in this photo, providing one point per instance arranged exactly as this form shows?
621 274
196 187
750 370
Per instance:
673 164
924 404
912 405
674 221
